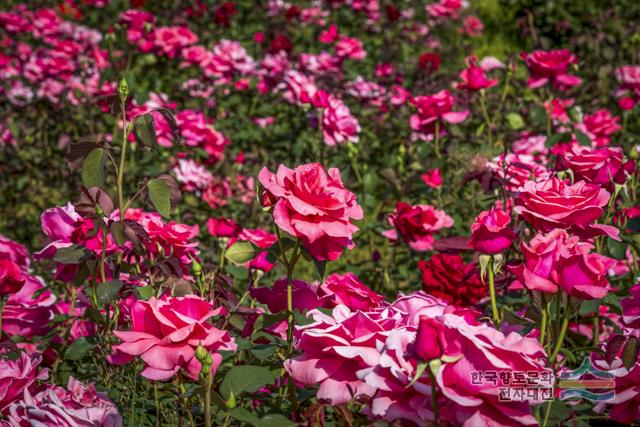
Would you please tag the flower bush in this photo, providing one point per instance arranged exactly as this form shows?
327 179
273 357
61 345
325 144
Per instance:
318 213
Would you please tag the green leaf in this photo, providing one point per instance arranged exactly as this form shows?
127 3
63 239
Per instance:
553 140
242 251
145 292
617 250
79 348
160 196
75 254
630 352
144 130
515 121
94 168
116 229
107 291
276 420
76 152
245 378
582 138
243 415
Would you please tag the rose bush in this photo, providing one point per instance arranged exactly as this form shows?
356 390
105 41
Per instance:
318 213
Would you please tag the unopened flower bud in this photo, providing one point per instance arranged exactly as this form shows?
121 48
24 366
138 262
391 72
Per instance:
201 353
123 90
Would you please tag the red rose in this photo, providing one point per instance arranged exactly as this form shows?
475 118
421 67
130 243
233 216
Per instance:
450 279
429 61
416 225
313 206
490 232
11 280
555 203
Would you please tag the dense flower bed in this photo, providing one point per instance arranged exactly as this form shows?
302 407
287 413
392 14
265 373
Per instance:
317 213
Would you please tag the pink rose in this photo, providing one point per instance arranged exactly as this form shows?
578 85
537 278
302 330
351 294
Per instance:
540 257
557 259
27 315
629 90
14 251
490 232
474 79
18 375
348 290
515 170
584 275
351 48
338 125
192 176
600 126
602 166
555 203
165 333
434 109
432 178
223 227
313 206
445 9
169 40
335 349
481 348
78 405
551 67
417 224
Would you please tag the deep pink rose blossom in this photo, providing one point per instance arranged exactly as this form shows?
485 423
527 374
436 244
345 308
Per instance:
314 206
348 290
165 333
78 405
416 225
559 260
473 78
434 110
18 375
555 203
602 166
551 67
490 232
